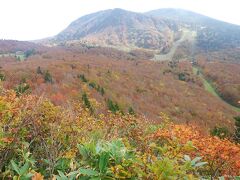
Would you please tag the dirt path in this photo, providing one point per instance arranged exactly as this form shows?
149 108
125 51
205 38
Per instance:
187 35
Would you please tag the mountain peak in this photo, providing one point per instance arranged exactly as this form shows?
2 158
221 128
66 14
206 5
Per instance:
119 10
119 28
154 30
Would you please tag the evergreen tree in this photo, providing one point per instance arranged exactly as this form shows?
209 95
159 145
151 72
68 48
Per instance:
82 77
2 77
92 85
221 132
48 77
113 107
102 91
131 111
86 102
29 52
182 77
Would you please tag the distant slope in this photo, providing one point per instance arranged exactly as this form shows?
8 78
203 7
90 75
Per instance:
156 31
212 34
11 46
120 28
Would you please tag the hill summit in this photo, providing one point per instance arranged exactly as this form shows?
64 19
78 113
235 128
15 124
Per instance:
156 30
121 28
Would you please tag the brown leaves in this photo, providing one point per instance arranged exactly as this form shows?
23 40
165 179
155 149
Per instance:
6 140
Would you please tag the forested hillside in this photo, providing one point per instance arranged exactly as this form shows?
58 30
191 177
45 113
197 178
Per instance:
40 140
147 87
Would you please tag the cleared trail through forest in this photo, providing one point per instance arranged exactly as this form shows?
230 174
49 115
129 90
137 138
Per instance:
208 87
187 35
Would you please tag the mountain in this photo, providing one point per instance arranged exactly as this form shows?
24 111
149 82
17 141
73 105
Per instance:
120 28
212 34
161 31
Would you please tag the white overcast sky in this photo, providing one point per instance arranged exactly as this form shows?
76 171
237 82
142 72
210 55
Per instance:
36 19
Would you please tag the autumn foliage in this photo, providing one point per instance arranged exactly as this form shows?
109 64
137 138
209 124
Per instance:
145 86
223 156
40 139
84 114
225 77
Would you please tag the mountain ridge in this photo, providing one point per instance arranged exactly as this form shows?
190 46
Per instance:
183 12
155 30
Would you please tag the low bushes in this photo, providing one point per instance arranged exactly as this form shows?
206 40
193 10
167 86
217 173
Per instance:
39 139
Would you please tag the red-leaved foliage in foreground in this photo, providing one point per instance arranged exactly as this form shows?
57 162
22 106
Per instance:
223 156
